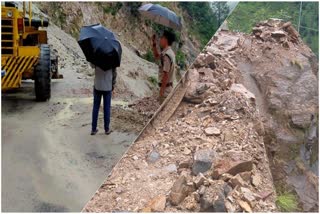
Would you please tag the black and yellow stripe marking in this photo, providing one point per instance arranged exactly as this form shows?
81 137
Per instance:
14 68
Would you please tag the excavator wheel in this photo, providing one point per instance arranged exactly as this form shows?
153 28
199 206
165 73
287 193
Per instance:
42 77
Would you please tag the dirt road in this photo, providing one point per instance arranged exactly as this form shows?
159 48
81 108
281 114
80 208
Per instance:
49 160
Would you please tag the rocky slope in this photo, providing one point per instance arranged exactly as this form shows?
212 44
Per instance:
283 73
209 156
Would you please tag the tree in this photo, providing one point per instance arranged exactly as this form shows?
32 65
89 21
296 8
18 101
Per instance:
221 10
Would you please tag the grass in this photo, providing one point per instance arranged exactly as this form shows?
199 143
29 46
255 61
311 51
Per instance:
153 80
287 202
149 56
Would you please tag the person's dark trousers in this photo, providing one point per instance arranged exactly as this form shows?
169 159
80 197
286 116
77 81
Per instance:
106 108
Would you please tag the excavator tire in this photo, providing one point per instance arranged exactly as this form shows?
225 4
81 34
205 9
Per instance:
42 77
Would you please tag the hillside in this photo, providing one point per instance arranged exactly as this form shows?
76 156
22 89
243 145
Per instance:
124 19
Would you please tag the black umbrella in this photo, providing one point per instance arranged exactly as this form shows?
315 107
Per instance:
100 46
161 15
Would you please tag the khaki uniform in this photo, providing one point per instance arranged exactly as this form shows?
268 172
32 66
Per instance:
168 61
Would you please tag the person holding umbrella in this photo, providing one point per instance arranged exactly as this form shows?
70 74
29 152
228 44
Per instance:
168 18
104 82
167 63
103 51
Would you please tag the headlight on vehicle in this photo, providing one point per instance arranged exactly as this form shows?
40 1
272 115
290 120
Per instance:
9 13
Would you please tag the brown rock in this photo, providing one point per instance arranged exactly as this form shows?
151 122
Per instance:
236 181
245 206
246 176
256 180
190 203
247 194
179 191
231 166
199 180
212 131
146 210
278 33
230 208
158 204
225 177
185 164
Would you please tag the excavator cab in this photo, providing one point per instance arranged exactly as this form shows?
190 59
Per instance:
25 53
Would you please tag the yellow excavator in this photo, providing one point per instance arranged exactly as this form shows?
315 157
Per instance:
25 53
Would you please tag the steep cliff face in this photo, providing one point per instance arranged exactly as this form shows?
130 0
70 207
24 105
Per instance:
123 19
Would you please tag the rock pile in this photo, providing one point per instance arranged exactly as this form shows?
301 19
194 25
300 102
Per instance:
282 72
146 105
210 155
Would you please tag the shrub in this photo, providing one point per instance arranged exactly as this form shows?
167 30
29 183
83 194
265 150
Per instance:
149 56
287 202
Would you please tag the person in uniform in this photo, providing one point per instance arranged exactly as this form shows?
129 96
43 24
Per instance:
167 63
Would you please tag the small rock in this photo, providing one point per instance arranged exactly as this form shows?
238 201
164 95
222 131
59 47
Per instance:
199 180
153 157
186 151
118 190
236 181
171 168
227 189
185 164
229 207
230 166
202 190
158 204
246 176
278 33
247 194
202 161
213 198
225 177
212 131
179 191
196 196
135 157
239 88
190 203
256 180
245 206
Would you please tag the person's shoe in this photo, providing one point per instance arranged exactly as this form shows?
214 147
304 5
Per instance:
94 132
108 132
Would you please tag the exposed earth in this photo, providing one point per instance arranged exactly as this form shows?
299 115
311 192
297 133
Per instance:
213 153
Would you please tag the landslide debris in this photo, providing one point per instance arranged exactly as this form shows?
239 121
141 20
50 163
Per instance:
209 156
282 72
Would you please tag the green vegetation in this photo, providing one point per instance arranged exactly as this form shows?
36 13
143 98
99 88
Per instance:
181 59
133 7
149 56
246 14
203 20
221 10
112 8
287 202
153 80
61 15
